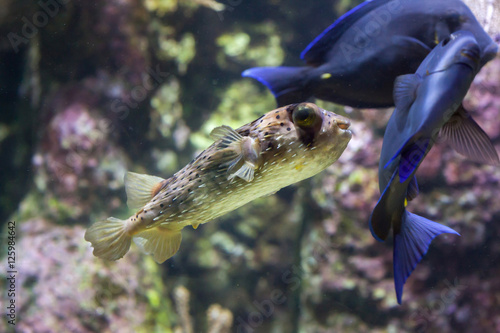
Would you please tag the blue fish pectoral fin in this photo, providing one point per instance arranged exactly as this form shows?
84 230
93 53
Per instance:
161 243
412 191
405 91
288 84
468 138
411 244
140 188
411 157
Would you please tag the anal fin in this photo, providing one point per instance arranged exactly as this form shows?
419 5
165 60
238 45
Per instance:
412 191
380 218
160 242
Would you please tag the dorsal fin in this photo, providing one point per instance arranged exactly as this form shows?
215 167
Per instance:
226 134
315 53
141 188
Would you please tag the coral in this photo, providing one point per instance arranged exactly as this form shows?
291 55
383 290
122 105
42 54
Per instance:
62 288
219 320
181 296
138 85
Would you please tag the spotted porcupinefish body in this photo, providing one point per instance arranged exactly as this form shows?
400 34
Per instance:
282 147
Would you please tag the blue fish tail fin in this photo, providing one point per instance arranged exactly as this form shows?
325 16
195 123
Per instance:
288 84
411 244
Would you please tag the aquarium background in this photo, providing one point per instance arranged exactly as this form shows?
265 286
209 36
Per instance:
92 89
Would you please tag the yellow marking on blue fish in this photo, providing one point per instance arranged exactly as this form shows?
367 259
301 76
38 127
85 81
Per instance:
406 202
436 38
325 76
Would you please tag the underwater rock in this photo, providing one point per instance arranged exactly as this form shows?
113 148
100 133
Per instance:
300 260
62 288
76 160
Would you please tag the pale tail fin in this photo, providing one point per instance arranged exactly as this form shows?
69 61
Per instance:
411 244
109 238
162 243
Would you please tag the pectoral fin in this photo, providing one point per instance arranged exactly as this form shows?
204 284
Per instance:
469 139
245 172
405 90
141 188
244 152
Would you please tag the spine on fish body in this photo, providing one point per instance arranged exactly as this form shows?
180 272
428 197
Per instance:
283 147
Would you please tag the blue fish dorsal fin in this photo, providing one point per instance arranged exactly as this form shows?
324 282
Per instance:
405 91
468 138
315 53
411 244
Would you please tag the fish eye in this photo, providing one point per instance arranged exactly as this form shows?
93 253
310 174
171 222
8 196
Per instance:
446 41
304 115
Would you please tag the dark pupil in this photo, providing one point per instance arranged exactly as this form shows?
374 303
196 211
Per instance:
303 113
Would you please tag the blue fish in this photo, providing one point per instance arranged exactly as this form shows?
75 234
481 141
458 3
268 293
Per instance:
427 107
356 60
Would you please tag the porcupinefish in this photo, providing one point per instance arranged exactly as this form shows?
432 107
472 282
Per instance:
280 148
426 104
356 60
